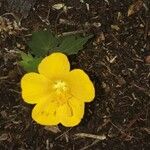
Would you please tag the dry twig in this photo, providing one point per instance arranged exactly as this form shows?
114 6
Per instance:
85 135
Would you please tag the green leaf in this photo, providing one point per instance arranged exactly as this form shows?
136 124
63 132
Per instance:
29 63
42 42
72 44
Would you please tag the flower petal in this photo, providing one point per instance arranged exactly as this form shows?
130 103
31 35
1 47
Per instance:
54 66
71 114
81 86
35 87
44 113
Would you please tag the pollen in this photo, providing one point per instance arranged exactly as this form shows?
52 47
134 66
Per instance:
60 86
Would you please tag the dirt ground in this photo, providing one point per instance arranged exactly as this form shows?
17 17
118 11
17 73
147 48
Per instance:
117 59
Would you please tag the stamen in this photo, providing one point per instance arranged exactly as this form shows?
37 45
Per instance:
60 86
61 90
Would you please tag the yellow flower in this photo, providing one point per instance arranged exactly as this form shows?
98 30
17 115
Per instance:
59 94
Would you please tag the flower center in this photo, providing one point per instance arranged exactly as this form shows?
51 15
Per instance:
61 91
60 86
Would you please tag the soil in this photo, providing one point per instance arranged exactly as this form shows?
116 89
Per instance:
117 59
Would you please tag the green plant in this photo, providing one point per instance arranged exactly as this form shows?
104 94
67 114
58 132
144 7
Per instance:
43 43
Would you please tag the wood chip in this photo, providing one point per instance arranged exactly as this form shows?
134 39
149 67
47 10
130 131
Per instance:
115 27
22 7
135 7
4 137
53 129
147 130
147 59
100 38
58 6
3 114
